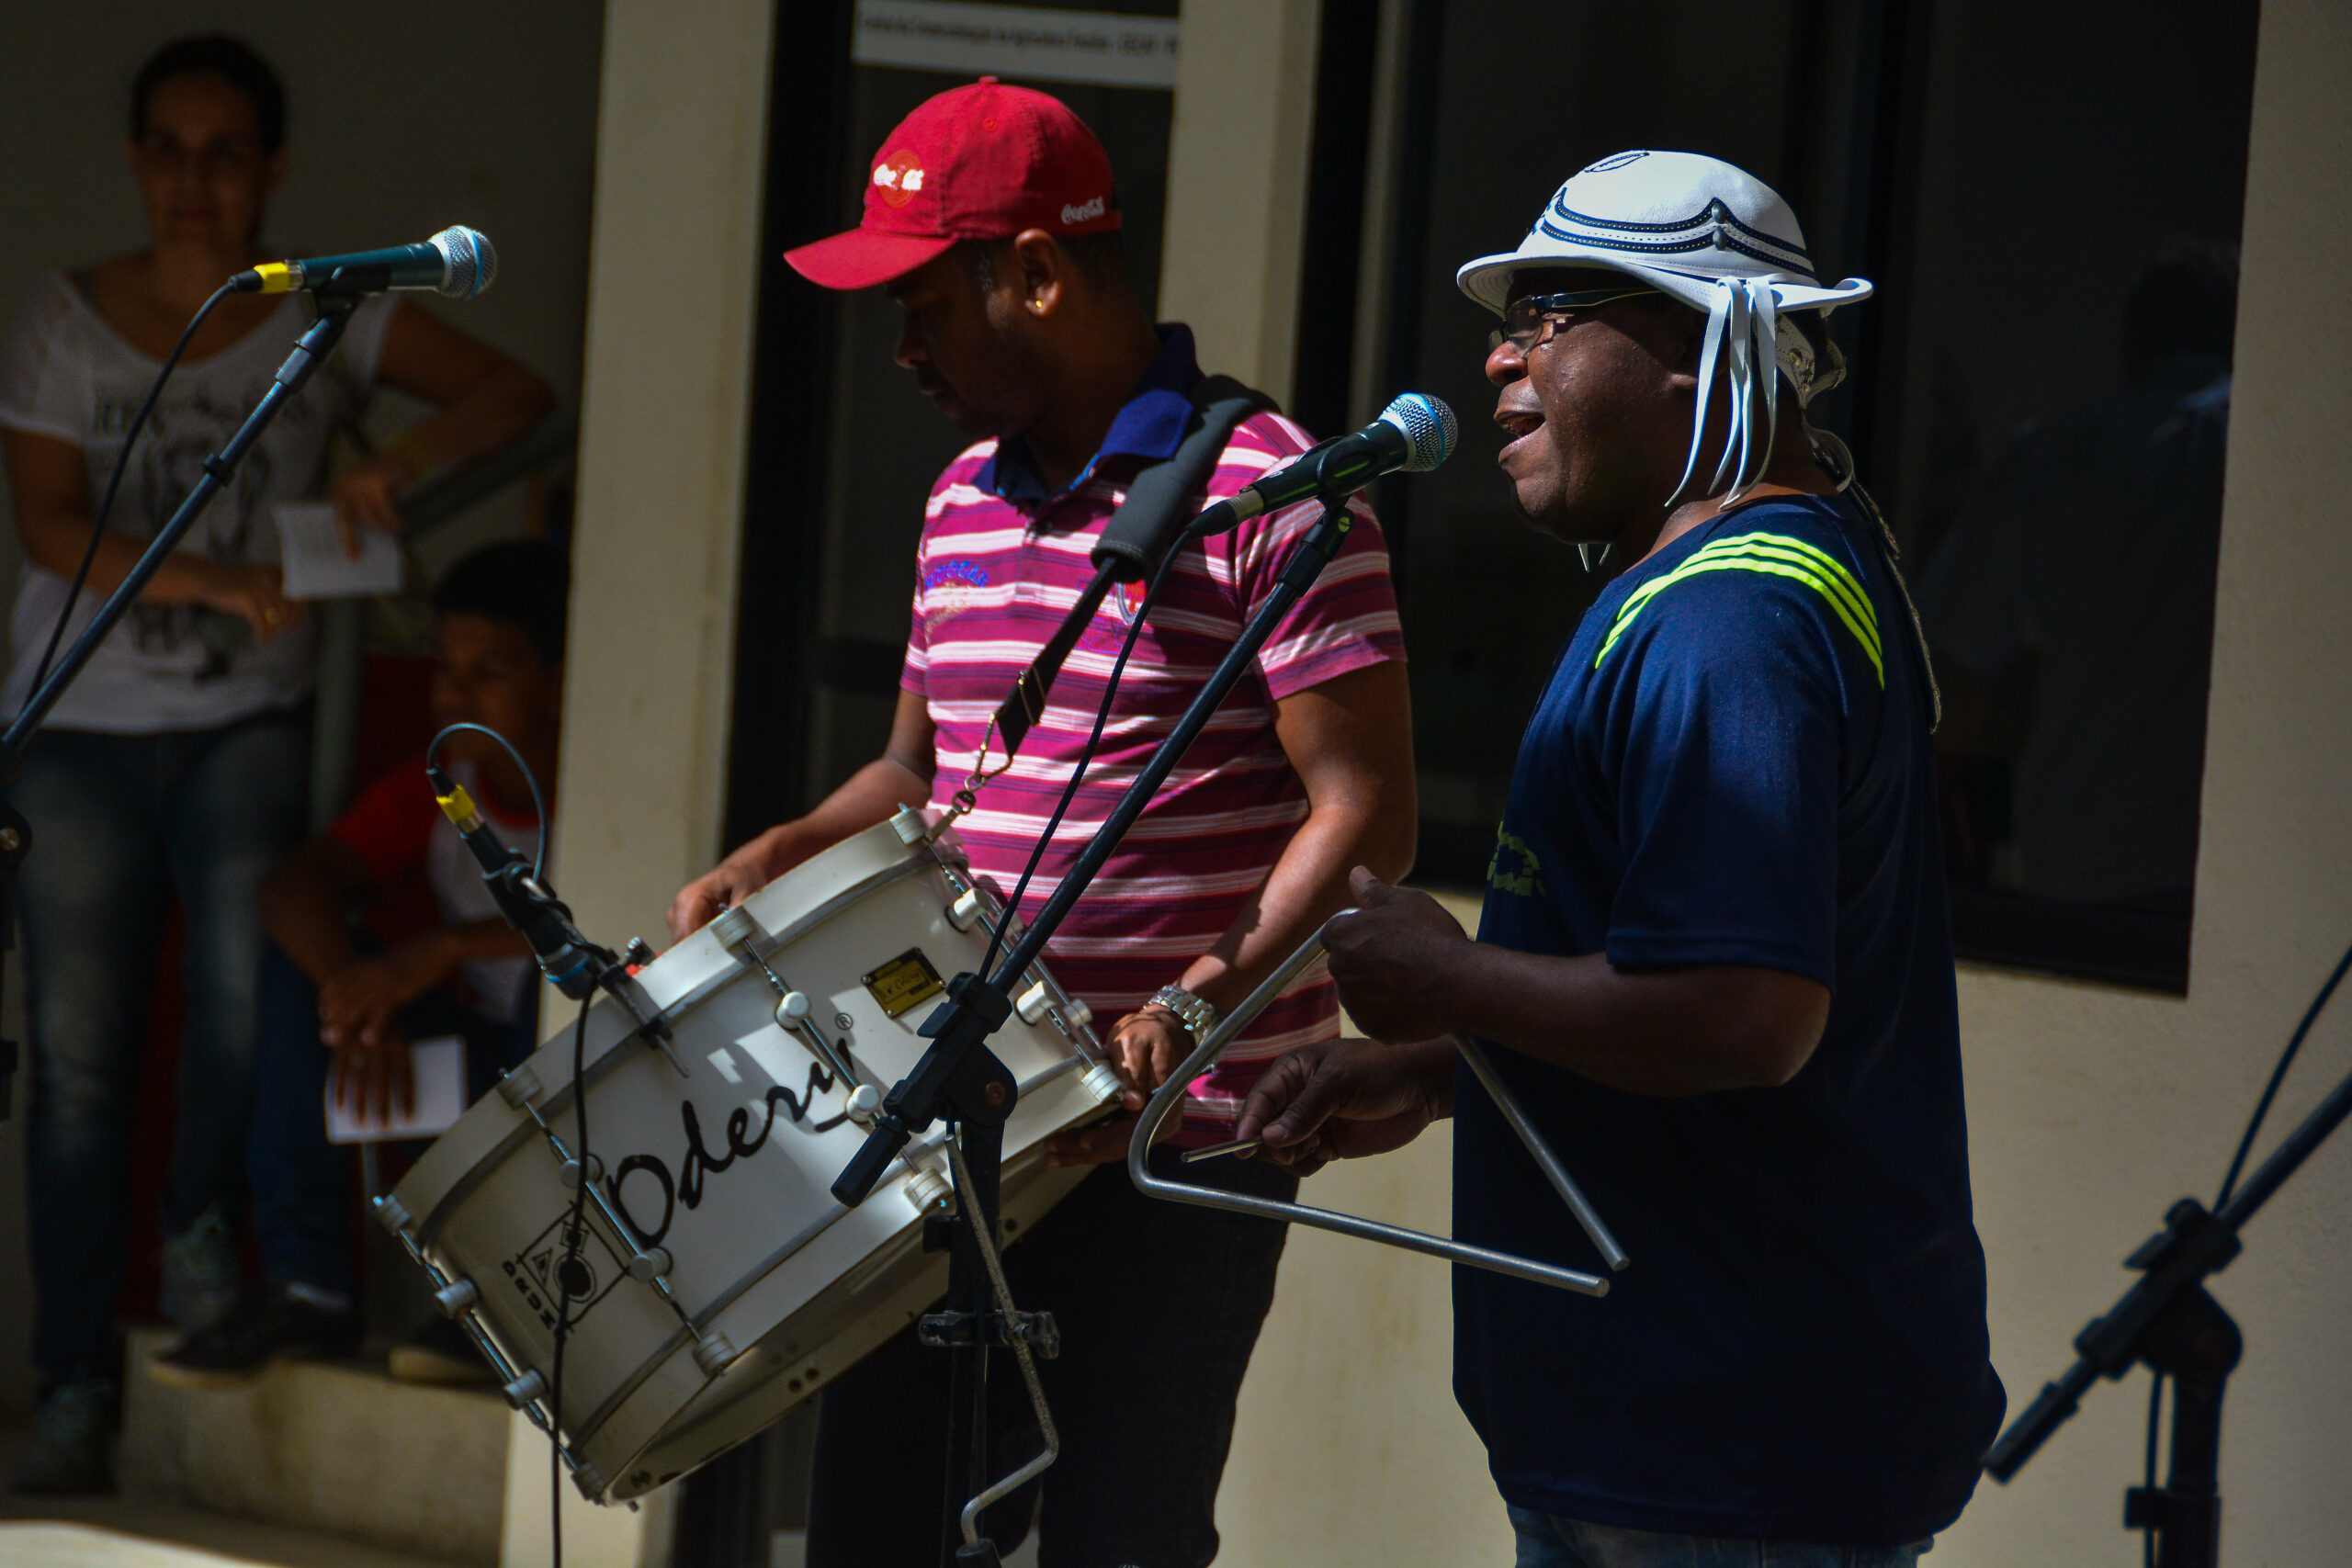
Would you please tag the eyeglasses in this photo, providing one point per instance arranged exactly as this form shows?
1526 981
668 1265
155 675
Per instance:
1524 318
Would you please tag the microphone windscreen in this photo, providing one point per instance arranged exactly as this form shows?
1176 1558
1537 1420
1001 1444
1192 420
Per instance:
471 264
1429 427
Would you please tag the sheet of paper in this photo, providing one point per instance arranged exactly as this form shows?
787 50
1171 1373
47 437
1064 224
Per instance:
439 1064
316 566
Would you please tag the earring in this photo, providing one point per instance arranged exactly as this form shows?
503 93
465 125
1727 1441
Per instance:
1038 306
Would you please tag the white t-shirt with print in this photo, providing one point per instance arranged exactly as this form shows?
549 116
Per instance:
65 373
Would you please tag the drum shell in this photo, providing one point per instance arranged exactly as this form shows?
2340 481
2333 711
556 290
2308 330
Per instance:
727 1168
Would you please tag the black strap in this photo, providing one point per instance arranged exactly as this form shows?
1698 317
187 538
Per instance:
1149 523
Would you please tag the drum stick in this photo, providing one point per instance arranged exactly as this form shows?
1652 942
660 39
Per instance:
1212 1151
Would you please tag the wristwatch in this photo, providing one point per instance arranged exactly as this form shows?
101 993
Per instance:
1199 1016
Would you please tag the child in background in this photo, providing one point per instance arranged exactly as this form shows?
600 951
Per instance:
336 1007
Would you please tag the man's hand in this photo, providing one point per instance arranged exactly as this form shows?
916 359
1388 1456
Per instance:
733 880
1391 960
1145 1046
357 1002
1142 1049
1348 1099
370 1080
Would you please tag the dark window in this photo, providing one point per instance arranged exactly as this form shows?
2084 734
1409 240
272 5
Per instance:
2065 398
2048 198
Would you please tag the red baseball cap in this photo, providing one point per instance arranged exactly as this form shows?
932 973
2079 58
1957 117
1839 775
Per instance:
985 162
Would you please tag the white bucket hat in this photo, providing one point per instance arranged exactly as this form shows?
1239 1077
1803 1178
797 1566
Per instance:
1719 240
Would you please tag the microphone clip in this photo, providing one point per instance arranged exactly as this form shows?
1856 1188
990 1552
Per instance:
572 965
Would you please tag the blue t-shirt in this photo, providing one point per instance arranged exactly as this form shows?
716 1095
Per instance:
1730 765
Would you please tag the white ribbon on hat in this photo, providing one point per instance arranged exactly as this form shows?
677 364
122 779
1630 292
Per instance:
1742 333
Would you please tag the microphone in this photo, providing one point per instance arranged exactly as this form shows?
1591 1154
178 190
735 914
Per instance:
457 262
1414 435
565 956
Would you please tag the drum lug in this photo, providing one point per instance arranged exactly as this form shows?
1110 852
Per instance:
926 1189
1034 1002
569 1174
909 824
712 1352
790 1008
519 1088
735 926
650 1264
1078 1014
391 1214
962 913
589 1479
525 1390
455 1299
1102 1083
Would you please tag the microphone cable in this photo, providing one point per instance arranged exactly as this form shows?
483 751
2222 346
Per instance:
575 1221
573 1226
530 780
114 483
1086 754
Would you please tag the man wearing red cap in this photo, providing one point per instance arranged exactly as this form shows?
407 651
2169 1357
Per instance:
989 218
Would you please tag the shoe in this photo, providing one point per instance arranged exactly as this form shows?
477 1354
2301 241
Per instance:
266 1325
71 1438
200 1274
441 1352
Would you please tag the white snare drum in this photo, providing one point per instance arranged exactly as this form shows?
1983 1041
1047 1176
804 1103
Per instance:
719 1284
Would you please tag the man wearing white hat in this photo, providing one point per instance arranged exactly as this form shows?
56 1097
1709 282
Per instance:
1714 953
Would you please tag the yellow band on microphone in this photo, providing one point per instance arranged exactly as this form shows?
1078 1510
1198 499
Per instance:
278 277
459 808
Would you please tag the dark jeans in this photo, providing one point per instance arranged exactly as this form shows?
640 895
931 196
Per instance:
1158 1305
303 1198
121 824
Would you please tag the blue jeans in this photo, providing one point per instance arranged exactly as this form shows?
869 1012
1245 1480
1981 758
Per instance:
1547 1541
120 823
303 1197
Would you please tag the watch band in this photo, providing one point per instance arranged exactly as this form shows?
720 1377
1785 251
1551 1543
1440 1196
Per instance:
1199 1016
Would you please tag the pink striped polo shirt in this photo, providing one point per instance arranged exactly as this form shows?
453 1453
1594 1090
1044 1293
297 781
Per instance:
1000 563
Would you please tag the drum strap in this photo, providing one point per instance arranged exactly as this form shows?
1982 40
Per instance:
1160 500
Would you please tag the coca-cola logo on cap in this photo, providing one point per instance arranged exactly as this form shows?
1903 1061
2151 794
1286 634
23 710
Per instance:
899 178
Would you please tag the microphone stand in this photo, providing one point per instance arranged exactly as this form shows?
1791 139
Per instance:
960 1080
309 351
2169 1321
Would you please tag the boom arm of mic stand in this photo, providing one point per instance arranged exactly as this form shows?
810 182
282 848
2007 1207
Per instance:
2193 1245
1163 1104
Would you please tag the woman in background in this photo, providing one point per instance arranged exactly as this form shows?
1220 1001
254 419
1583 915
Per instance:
178 763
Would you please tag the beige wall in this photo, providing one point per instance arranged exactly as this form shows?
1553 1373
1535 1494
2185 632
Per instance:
1236 183
672 283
